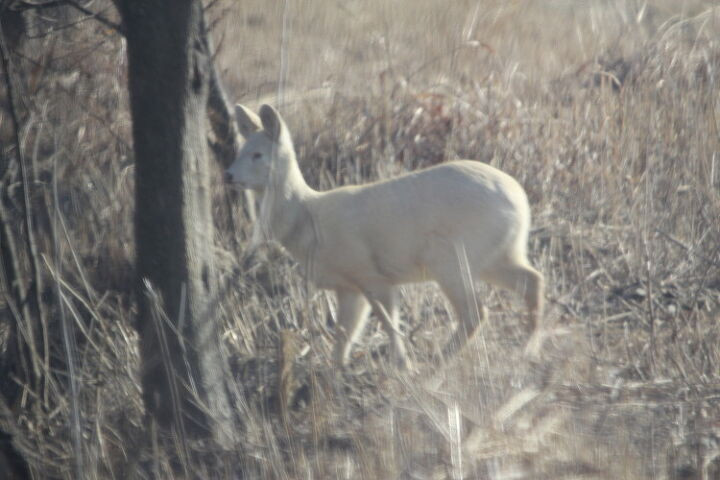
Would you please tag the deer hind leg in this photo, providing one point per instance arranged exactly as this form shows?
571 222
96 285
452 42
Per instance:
528 283
352 313
385 306
469 311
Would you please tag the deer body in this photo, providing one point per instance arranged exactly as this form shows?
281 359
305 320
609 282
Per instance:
452 223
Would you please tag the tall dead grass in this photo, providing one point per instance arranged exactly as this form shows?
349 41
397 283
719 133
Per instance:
607 113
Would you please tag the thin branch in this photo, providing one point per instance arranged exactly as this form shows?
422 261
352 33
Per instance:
26 5
97 16
22 6
34 295
211 5
222 119
68 338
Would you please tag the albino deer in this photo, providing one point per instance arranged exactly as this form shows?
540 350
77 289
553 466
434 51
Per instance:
451 223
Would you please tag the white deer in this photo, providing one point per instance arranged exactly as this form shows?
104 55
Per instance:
451 223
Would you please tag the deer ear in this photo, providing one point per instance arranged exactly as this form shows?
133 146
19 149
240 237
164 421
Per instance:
272 122
248 123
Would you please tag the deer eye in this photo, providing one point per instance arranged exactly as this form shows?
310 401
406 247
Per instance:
256 156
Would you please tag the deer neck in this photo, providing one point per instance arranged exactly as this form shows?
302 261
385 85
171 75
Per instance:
285 205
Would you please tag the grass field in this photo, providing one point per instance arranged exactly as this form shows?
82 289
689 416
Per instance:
607 112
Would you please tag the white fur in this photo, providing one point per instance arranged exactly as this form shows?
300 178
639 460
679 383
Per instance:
452 223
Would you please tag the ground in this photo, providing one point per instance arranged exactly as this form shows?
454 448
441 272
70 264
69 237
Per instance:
606 112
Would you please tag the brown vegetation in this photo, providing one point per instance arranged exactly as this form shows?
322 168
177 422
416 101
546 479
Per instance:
608 113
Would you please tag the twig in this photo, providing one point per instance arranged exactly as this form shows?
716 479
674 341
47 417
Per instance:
34 294
222 120
13 289
97 16
68 342
159 318
689 250
25 5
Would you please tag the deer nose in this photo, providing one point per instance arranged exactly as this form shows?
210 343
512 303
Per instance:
228 177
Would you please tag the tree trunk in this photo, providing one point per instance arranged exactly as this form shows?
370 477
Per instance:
182 365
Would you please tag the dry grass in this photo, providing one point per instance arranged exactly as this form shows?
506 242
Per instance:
607 113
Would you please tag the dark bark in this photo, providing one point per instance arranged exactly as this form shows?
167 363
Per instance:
168 75
12 463
12 23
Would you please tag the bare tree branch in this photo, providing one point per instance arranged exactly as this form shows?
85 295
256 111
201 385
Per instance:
27 5
220 113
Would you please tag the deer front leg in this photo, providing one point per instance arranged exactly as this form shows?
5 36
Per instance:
385 306
352 313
